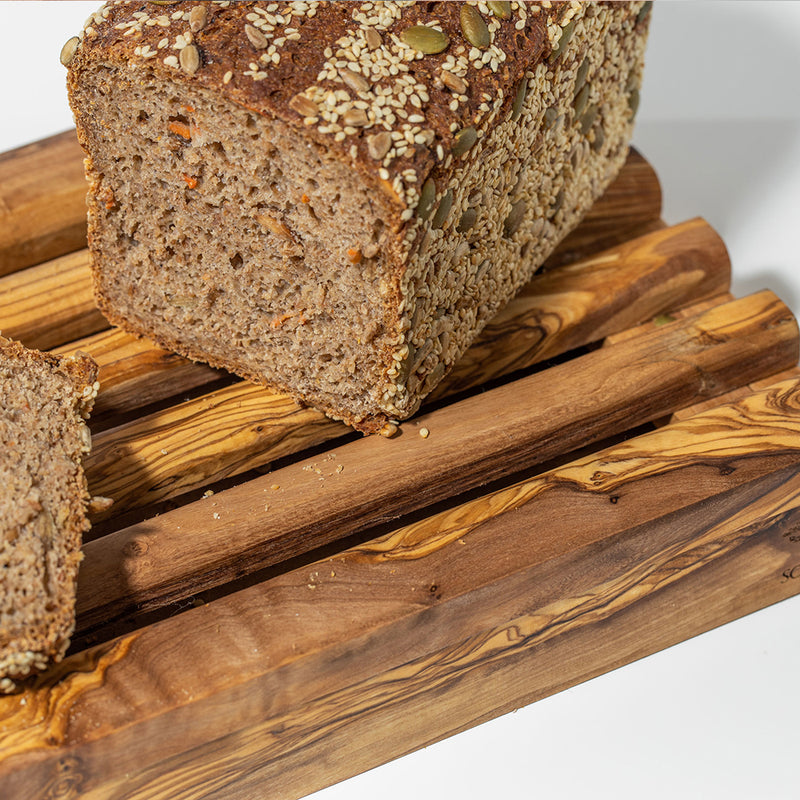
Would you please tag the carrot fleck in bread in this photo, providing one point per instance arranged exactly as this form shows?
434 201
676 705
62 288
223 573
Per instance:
333 199
43 498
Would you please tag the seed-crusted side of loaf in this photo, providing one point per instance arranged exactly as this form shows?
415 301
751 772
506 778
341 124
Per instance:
43 498
333 199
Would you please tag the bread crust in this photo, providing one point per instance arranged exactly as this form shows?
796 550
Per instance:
44 515
264 56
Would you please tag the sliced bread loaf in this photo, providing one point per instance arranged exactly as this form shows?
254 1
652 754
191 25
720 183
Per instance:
334 198
43 498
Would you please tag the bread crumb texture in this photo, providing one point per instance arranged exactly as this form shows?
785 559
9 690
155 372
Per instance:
332 199
43 497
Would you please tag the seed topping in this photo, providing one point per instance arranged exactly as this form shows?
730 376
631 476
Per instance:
189 59
425 40
475 30
68 50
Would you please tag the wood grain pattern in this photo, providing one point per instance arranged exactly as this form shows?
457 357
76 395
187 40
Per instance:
42 202
403 619
49 304
370 480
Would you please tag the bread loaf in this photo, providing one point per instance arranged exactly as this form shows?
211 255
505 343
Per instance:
333 199
43 498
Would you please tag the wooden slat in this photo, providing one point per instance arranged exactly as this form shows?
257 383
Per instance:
51 303
42 202
256 684
371 480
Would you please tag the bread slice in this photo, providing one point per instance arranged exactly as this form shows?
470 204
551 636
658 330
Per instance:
333 199
43 498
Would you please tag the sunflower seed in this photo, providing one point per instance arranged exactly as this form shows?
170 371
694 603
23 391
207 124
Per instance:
190 59
443 211
424 39
426 199
379 144
373 38
356 118
454 82
257 39
303 106
500 10
474 28
356 81
68 50
464 139
197 18
557 203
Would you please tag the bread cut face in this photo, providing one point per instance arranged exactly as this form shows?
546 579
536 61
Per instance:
43 497
224 236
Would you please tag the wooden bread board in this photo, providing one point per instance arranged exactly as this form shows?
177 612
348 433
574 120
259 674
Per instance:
274 603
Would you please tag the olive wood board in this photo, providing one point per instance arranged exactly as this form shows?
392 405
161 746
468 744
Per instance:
274 603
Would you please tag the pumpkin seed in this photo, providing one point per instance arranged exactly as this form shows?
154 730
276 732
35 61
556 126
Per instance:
563 41
443 212
464 139
587 120
514 218
197 18
68 50
644 11
437 373
599 138
427 198
256 38
467 221
500 10
475 30
580 76
424 39
581 99
379 145
454 82
550 117
519 100
633 101
190 59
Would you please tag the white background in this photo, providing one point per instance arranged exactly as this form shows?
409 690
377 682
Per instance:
714 717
